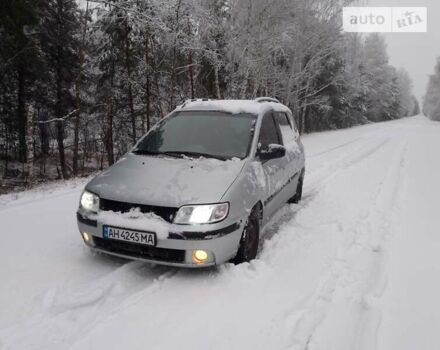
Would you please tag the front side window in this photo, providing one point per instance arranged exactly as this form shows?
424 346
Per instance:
268 132
201 133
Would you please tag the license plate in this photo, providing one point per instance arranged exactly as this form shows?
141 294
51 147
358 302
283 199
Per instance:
122 234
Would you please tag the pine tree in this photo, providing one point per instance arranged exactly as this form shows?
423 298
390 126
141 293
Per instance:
19 64
60 47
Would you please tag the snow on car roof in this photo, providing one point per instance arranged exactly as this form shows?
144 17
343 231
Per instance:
233 106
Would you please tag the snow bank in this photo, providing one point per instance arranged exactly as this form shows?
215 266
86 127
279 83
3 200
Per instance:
43 191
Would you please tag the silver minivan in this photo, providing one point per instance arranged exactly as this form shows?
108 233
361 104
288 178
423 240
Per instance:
198 188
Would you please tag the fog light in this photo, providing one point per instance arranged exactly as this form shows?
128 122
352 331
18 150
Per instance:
199 256
86 237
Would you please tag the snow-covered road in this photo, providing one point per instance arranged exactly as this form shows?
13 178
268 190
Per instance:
355 266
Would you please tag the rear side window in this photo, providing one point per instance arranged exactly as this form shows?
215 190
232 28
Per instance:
287 131
268 132
295 127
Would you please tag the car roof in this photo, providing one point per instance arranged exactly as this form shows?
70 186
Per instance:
257 106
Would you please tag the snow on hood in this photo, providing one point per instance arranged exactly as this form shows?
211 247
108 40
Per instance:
164 181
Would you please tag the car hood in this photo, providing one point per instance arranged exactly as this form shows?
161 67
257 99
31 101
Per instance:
165 181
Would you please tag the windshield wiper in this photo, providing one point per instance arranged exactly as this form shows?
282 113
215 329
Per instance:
173 154
152 153
198 154
143 151
179 154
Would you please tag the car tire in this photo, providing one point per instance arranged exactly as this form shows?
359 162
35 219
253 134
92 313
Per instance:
250 238
299 189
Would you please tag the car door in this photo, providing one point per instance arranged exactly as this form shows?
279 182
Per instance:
290 140
274 169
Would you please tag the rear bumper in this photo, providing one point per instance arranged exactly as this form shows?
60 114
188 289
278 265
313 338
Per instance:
220 241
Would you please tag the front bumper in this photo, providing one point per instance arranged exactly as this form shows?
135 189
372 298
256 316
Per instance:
220 240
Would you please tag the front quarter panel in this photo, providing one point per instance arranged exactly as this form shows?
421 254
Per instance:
247 190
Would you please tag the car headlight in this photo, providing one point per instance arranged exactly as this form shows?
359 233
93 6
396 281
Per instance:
89 201
202 214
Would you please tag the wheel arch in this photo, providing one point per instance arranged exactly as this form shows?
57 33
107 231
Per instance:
259 208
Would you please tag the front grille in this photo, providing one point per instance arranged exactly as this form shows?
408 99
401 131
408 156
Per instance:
140 251
166 213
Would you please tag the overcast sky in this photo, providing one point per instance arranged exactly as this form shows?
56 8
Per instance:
416 52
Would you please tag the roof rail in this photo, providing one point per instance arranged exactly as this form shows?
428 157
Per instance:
266 99
194 100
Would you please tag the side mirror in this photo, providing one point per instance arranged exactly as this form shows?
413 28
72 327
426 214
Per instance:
273 151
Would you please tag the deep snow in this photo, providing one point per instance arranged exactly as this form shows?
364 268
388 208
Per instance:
355 265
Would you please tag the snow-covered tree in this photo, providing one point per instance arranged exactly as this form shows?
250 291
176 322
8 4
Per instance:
431 103
406 99
381 81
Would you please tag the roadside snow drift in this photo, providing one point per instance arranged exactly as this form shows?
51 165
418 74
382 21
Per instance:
354 266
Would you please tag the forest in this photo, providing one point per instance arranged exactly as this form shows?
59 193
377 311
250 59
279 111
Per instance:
82 81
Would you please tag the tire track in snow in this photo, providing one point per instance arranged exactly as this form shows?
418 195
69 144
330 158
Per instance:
385 209
343 145
364 242
298 235
332 169
83 306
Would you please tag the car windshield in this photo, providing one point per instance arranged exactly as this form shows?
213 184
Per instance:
200 133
